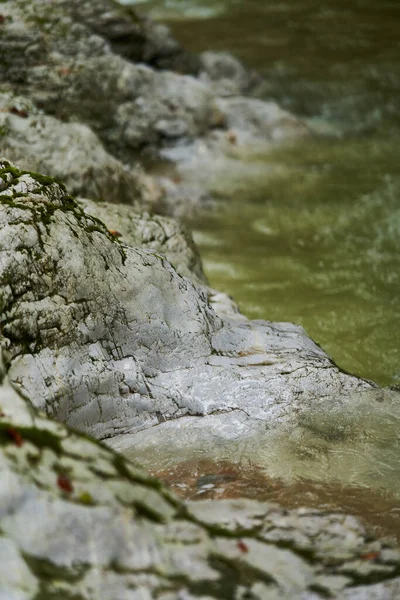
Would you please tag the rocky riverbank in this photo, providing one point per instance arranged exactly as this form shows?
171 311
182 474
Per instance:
78 521
109 339
108 326
72 63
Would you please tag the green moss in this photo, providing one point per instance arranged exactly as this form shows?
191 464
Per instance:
38 437
86 498
39 21
14 171
13 203
47 571
45 179
94 228
42 213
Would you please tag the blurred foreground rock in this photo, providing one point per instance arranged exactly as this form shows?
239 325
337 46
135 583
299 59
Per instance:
79 521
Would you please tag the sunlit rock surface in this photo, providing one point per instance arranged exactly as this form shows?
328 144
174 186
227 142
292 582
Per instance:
111 340
167 236
78 521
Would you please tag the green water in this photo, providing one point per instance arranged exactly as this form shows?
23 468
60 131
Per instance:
318 241
318 244
338 59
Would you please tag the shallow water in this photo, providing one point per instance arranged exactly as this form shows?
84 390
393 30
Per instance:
220 479
340 454
314 240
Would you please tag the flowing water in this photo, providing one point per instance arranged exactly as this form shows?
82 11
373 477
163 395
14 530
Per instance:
317 242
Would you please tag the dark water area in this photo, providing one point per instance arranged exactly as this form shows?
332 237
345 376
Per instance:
336 58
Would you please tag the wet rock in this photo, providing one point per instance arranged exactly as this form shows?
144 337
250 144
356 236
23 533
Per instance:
226 74
258 120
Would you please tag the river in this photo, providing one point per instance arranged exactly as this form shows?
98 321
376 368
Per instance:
318 244
318 241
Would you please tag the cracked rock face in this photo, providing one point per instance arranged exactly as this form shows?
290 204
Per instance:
111 340
163 234
79 521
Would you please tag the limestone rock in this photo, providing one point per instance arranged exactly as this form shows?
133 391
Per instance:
112 340
70 152
163 234
74 60
226 74
78 520
74 73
